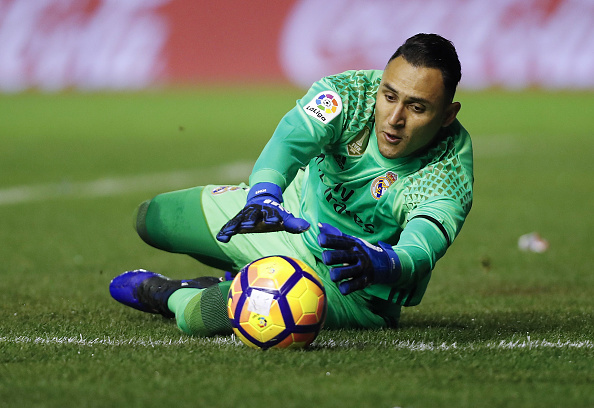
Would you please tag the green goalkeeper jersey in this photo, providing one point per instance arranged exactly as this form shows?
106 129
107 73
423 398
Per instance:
417 204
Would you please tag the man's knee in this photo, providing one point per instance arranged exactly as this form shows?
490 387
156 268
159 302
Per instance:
175 222
139 221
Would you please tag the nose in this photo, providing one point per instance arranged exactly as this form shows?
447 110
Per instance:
397 117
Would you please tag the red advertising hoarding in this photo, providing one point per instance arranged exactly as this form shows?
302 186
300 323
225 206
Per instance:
130 44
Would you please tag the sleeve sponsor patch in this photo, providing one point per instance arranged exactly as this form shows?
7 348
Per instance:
324 107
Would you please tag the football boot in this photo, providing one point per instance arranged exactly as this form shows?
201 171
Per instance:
149 291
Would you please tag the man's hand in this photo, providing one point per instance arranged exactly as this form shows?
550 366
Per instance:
361 262
263 212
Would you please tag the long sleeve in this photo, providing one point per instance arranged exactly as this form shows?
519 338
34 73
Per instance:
303 133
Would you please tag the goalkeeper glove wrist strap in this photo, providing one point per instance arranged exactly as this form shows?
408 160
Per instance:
264 188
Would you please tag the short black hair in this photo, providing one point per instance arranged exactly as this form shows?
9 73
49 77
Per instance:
433 51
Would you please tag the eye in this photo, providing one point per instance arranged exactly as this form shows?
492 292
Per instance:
390 97
417 108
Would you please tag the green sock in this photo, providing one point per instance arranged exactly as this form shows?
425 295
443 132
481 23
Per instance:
177 303
202 312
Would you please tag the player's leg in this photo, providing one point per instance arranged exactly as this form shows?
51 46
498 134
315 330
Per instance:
202 312
176 222
168 222
184 222
195 303
359 310
199 305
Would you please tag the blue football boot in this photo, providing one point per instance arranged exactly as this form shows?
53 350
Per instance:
149 291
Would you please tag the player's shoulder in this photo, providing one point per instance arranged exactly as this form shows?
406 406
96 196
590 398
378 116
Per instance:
356 91
347 100
446 170
351 85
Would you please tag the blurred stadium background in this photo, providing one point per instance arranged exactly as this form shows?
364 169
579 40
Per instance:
109 44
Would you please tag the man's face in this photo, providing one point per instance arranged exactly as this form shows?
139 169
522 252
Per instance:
410 108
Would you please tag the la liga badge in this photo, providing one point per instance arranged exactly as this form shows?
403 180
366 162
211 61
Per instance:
324 107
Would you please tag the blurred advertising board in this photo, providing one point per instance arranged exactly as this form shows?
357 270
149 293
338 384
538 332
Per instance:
130 44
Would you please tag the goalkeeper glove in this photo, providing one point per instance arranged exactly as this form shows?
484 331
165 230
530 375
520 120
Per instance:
361 262
263 212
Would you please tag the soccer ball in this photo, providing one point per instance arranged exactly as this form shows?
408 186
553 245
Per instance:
277 301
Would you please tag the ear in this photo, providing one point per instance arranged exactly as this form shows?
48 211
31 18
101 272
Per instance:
450 113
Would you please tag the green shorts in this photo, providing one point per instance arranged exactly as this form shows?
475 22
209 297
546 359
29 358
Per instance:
187 221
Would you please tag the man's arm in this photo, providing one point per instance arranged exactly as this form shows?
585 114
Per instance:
358 264
424 240
299 137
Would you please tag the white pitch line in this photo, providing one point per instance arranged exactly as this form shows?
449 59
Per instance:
484 146
444 346
409 345
108 341
231 173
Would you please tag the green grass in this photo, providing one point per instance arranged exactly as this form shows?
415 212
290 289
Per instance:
498 327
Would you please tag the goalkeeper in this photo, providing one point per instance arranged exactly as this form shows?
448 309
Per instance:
368 180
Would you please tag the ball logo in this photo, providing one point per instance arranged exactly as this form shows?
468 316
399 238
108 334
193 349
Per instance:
271 270
262 321
380 184
324 107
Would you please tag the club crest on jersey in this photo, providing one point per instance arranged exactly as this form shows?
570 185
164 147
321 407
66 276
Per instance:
380 184
324 107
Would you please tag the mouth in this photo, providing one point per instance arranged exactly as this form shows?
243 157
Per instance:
392 138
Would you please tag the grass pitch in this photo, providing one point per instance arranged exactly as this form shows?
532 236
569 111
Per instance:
498 327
